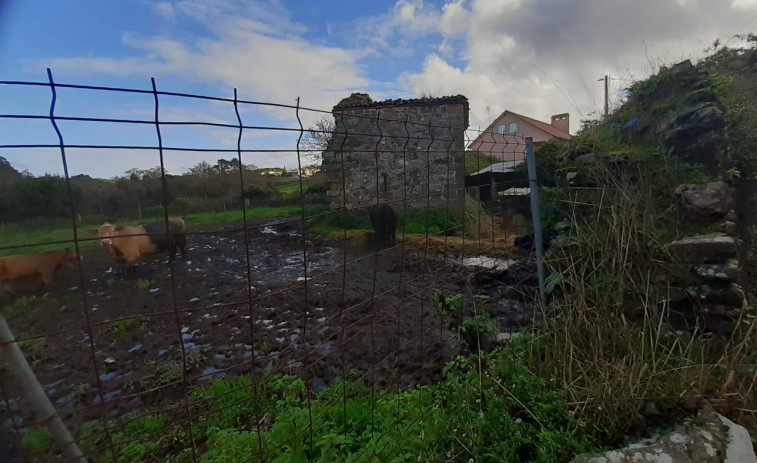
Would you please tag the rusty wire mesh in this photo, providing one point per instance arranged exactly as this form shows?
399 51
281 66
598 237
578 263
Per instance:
339 311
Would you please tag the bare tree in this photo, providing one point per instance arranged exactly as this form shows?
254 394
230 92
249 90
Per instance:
317 138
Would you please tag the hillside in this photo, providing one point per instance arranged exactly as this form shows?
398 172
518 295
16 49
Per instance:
652 276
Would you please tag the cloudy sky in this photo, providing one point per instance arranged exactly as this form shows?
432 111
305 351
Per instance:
536 57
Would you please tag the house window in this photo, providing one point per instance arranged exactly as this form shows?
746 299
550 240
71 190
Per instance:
510 128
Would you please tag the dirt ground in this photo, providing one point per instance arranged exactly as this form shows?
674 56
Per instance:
115 340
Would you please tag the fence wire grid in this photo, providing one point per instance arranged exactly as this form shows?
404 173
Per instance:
259 300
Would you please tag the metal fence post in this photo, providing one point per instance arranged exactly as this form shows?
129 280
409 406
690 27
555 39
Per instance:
11 355
534 190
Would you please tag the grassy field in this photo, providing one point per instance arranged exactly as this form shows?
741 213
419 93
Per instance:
48 237
291 189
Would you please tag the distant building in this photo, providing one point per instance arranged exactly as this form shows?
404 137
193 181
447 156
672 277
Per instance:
504 136
310 171
272 172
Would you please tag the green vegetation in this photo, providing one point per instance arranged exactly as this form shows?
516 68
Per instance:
469 320
476 160
34 350
611 340
292 189
129 324
142 283
611 358
19 235
16 235
417 222
167 372
12 307
488 409
38 440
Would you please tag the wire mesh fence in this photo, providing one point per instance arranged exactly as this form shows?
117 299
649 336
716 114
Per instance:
316 301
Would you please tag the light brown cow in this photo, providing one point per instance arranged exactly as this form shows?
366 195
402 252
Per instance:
127 244
44 264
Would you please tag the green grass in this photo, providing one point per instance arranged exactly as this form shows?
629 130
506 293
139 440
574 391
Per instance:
253 214
418 222
16 235
487 409
292 189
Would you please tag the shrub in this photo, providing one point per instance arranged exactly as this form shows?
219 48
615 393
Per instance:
38 440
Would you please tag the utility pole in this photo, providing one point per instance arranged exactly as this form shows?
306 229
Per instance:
607 103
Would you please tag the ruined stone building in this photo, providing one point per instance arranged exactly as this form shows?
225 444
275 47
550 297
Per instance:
409 153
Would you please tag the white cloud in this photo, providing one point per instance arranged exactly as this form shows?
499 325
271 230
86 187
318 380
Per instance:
253 46
541 57
454 19
744 5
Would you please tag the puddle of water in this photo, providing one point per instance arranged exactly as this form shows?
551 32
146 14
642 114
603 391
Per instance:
202 347
108 396
108 376
327 346
8 423
194 299
154 290
163 352
211 373
56 383
488 262
135 348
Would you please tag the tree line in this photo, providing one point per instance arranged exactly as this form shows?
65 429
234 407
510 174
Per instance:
136 194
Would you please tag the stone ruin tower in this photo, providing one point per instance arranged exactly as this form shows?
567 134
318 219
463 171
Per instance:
409 153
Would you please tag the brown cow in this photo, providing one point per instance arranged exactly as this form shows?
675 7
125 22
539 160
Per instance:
44 264
127 244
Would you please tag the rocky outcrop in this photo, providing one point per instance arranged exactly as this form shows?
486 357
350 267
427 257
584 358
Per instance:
705 203
696 133
709 438
679 108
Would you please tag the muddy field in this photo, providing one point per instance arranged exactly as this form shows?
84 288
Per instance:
120 340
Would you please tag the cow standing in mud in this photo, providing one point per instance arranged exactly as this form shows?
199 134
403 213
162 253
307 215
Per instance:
127 244
46 265
384 223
